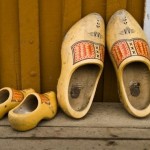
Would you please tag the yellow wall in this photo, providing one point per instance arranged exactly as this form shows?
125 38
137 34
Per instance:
31 32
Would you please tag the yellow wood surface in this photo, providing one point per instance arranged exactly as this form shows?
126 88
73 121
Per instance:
29 44
31 33
50 23
69 17
9 44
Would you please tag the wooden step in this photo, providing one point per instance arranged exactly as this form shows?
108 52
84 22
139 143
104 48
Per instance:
107 126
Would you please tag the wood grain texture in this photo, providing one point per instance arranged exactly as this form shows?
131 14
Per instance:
73 144
66 133
101 115
29 44
107 126
50 42
9 44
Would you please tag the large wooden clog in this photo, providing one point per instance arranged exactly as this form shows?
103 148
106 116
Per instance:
130 54
82 57
10 98
32 110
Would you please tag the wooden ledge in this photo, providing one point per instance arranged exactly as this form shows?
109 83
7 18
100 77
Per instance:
107 125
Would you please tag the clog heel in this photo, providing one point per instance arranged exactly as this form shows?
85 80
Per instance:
10 98
32 110
130 54
82 56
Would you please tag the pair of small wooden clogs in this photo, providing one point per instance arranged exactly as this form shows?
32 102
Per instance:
26 108
82 56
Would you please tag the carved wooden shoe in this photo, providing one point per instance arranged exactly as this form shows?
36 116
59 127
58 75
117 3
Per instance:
32 110
82 56
10 98
130 55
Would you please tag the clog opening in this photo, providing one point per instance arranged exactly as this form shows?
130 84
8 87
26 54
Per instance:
29 105
81 86
4 95
136 78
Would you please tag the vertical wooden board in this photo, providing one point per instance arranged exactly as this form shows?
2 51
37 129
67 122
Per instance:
29 44
147 20
136 8
71 13
50 42
110 80
98 6
9 44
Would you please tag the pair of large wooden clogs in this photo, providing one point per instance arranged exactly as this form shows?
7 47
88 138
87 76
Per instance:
83 61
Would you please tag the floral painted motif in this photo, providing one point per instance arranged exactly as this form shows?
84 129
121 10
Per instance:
126 48
44 99
17 96
87 50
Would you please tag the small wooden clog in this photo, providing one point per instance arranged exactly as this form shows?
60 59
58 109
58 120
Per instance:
10 98
32 110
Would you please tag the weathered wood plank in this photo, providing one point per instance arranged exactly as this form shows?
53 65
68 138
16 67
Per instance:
101 115
74 144
147 20
9 44
111 115
107 126
77 133
50 42
29 44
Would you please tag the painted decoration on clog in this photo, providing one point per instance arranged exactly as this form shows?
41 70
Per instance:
17 96
123 49
87 50
44 99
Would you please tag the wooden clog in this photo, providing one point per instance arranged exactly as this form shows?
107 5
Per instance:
82 57
130 54
32 110
10 98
